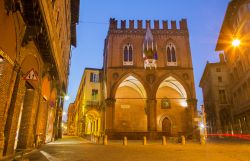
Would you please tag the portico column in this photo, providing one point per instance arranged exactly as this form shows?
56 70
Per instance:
151 114
109 114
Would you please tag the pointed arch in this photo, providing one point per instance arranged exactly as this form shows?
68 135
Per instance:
132 80
171 52
130 95
127 51
164 116
178 82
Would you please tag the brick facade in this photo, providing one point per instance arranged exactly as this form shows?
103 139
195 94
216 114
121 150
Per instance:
137 89
27 103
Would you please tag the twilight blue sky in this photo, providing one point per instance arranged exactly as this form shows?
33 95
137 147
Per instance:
204 21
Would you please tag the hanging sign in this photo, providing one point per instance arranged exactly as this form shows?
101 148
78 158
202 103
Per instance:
31 75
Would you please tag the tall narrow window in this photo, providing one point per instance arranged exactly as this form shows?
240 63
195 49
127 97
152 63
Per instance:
128 55
171 55
94 94
219 79
94 77
222 97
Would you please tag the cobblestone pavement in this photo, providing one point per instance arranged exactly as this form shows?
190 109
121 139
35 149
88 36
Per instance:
78 149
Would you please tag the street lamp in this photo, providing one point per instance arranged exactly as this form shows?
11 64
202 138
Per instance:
235 42
64 113
66 97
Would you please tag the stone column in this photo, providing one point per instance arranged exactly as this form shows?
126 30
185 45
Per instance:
60 123
192 112
109 114
6 88
151 114
55 129
27 127
14 112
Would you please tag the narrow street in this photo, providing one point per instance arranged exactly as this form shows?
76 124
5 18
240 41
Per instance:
78 149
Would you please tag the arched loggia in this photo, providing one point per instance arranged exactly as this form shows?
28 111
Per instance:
171 99
130 115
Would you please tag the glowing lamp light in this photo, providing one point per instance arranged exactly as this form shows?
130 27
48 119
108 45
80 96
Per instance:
64 113
184 104
202 126
66 98
236 42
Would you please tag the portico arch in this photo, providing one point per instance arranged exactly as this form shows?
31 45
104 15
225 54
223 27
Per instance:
136 77
92 121
171 76
129 111
171 98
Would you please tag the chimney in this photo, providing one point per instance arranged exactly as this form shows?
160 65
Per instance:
222 58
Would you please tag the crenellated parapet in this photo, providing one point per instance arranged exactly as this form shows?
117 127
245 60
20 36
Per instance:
141 25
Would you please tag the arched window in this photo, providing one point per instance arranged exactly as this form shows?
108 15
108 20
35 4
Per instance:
128 54
171 55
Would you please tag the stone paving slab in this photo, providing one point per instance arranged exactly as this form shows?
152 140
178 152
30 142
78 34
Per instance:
84 150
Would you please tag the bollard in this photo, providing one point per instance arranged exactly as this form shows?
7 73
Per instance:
202 139
183 140
91 138
144 140
125 141
105 140
164 142
97 139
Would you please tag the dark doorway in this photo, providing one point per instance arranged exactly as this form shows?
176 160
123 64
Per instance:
166 126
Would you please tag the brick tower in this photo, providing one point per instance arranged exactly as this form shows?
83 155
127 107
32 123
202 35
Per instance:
148 80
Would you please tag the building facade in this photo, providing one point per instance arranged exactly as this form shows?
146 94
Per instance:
216 96
88 118
35 45
146 86
71 120
236 25
148 80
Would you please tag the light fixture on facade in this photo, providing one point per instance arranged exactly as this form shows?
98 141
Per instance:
202 126
66 97
235 42
184 103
